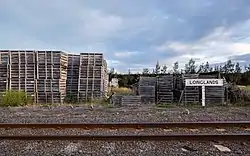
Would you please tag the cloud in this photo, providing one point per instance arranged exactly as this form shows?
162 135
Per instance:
217 47
126 54
131 34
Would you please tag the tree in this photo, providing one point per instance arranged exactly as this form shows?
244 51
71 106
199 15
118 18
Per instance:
201 68
111 73
176 67
207 67
237 68
247 68
216 68
157 68
190 68
129 71
211 69
221 69
164 69
145 71
237 73
228 67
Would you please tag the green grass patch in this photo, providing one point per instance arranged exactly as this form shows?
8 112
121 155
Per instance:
15 98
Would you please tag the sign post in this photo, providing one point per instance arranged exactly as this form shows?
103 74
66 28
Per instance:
203 83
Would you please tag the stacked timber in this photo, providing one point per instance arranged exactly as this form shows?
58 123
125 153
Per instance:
22 71
191 94
178 87
51 76
73 76
146 89
131 101
4 65
116 100
213 94
165 86
92 76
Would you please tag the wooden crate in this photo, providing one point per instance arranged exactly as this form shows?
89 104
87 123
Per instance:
4 71
73 66
27 85
116 100
22 57
147 91
51 85
87 96
165 88
214 95
191 95
3 85
148 99
131 100
147 81
91 71
91 85
52 57
49 97
4 57
22 71
55 71
72 86
94 59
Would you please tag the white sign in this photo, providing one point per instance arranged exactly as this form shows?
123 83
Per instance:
204 82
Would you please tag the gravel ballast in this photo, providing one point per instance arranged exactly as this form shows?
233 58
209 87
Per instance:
80 114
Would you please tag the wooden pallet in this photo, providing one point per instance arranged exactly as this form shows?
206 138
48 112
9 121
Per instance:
147 91
165 87
147 81
131 100
191 94
51 85
27 85
52 57
49 97
116 100
3 85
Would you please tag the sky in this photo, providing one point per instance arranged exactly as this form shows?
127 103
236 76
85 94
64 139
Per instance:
132 34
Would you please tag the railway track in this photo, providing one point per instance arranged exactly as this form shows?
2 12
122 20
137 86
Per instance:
103 126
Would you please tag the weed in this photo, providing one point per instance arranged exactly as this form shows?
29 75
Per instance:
15 98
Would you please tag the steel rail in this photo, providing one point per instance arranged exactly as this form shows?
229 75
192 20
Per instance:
206 137
217 124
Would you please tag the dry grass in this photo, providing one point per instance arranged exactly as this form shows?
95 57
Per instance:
247 88
121 91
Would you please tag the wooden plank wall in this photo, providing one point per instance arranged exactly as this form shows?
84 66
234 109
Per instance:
165 87
147 89
4 65
131 101
191 94
72 85
93 81
214 95
22 71
51 76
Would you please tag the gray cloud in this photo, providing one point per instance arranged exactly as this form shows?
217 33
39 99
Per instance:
116 26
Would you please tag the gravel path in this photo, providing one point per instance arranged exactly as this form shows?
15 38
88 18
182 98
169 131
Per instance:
67 114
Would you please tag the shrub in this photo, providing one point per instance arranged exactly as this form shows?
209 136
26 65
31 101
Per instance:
15 98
